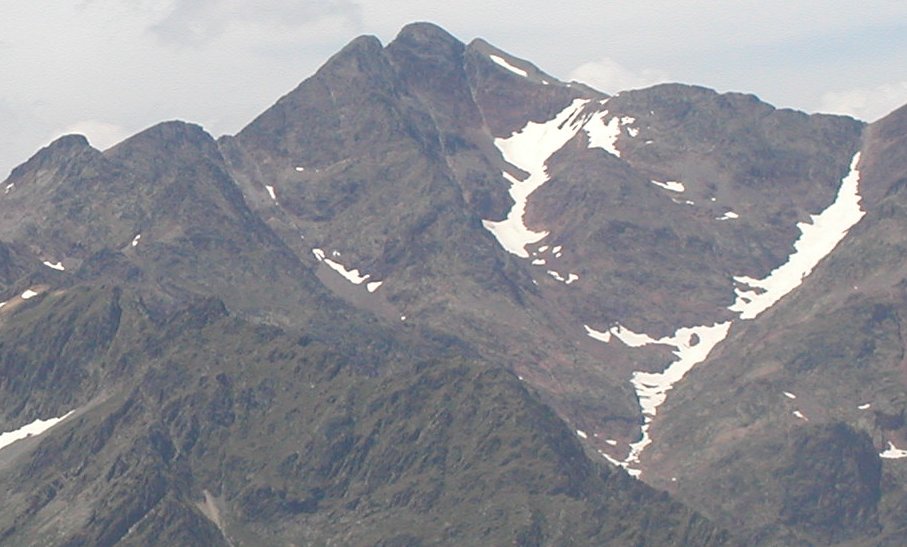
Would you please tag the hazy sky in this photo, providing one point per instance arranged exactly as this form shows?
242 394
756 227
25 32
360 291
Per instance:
109 68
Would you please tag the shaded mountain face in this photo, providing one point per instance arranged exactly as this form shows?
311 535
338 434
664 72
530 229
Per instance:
432 292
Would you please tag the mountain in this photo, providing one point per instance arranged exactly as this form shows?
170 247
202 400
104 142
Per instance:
434 295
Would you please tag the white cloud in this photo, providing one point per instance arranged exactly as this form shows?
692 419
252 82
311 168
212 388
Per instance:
610 76
198 21
101 135
865 103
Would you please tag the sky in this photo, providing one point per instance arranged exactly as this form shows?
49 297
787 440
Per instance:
108 68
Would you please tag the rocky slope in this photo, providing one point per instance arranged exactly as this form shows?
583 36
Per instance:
347 323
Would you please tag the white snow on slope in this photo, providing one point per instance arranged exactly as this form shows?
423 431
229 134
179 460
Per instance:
9 187
730 215
353 276
630 338
529 149
57 266
598 335
2 304
818 238
135 240
789 395
581 434
35 428
603 135
500 61
271 193
29 294
893 453
671 185
692 346
864 406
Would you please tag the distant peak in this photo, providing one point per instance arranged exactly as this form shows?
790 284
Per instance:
61 150
424 32
166 139
72 141
362 44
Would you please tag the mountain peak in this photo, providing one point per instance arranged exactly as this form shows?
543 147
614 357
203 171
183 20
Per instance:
59 152
423 33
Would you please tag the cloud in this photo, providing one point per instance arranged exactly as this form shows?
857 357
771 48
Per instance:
101 135
865 103
194 22
610 76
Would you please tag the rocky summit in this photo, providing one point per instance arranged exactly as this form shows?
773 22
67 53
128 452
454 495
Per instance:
436 296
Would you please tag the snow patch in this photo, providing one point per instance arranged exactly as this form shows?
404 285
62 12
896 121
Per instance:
500 61
529 149
789 395
373 286
730 215
57 266
817 239
603 135
611 442
271 193
35 428
893 453
565 280
135 240
692 345
611 460
671 185
9 187
300 169
539 262
800 415
864 406
581 434
598 335
351 275
633 131
29 294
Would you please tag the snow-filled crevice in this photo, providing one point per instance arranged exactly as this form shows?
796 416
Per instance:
818 238
692 345
530 148
500 61
35 428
